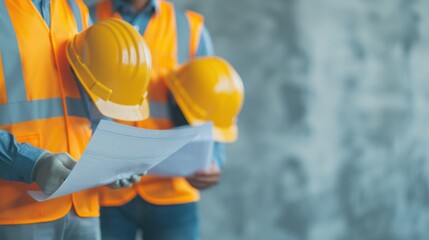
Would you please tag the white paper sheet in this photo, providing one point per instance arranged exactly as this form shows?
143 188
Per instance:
194 156
117 151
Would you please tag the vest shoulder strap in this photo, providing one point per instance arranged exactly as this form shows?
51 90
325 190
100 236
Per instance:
183 36
196 23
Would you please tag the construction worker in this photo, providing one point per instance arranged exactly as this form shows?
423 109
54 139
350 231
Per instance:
43 122
164 208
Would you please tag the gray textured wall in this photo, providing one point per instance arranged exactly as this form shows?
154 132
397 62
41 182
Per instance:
334 132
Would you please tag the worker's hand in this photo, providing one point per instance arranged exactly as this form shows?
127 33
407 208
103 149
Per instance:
51 170
125 182
206 178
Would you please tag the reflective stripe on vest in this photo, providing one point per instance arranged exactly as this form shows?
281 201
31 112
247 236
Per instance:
77 14
40 109
183 34
12 66
159 110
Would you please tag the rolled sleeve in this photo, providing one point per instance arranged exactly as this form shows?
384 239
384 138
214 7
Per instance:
16 159
219 157
25 159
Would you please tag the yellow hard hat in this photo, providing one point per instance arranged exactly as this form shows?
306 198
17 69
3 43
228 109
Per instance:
209 89
113 63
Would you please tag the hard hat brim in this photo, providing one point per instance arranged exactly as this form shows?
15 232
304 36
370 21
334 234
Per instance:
225 135
121 112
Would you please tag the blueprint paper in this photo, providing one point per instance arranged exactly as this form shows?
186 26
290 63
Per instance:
194 156
117 151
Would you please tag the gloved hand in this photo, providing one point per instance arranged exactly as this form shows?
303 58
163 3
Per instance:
51 170
126 182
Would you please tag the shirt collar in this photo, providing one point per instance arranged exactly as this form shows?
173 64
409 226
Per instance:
123 6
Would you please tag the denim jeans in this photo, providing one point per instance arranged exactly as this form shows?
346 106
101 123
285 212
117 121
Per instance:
157 222
69 227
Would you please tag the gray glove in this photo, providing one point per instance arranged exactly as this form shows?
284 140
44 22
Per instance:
51 170
126 182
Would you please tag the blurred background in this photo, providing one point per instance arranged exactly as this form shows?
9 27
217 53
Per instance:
334 137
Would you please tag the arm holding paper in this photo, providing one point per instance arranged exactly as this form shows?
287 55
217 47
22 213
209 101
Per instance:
51 170
118 151
207 178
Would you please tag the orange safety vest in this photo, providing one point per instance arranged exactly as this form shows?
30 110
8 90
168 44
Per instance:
40 102
168 47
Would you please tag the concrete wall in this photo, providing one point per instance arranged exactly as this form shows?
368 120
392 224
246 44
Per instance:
334 132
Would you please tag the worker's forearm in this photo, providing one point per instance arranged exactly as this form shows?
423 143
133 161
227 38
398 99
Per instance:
16 159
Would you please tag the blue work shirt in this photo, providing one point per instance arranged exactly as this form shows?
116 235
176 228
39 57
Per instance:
43 6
